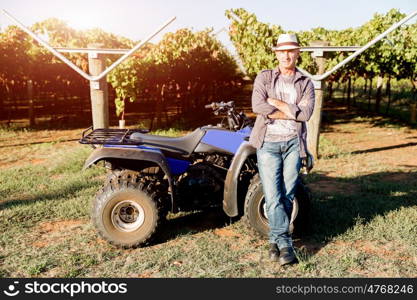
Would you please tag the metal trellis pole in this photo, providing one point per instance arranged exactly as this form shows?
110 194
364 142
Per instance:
98 83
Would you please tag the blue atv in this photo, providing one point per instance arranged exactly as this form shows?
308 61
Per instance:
150 175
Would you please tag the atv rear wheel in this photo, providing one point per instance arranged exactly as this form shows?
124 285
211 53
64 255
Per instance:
126 212
255 213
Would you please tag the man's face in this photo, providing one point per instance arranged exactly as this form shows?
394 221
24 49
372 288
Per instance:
287 58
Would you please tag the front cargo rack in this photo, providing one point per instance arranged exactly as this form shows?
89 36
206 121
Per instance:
107 136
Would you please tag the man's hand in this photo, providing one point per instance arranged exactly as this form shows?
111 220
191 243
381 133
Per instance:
278 115
280 105
273 102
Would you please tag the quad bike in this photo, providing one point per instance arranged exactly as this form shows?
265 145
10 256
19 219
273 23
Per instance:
150 175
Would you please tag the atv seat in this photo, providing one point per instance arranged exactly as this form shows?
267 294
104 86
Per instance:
185 144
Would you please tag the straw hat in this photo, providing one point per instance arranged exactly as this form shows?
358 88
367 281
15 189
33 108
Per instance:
286 42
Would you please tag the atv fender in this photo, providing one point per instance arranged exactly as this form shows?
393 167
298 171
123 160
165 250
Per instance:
230 201
154 156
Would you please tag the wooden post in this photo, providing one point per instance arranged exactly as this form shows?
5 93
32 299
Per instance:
388 93
31 103
365 86
2 102
413 113
370 93
379 83
98 90
349 90
313 125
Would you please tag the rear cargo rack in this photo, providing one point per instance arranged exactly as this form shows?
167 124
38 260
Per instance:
110 136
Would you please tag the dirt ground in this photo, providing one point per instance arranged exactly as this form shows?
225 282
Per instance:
364 145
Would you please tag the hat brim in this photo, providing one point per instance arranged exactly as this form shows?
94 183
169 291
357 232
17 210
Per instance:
286 47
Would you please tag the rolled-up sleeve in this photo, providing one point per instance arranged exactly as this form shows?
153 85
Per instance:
304 109
260 96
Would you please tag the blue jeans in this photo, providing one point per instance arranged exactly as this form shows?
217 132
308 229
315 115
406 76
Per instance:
279 164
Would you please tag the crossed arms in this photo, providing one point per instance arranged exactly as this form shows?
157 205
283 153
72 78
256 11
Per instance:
277 109
283 111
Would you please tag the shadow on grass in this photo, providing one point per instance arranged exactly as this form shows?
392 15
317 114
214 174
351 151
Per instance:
384 148
38 143
341 203
63 192
192 223
371 150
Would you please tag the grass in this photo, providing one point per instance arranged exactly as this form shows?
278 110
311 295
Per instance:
173 132
364 217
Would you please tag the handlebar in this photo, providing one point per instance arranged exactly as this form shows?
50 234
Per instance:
235 120
219 105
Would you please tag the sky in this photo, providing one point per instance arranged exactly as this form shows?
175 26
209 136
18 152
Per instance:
137 19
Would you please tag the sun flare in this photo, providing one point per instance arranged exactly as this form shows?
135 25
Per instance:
84 21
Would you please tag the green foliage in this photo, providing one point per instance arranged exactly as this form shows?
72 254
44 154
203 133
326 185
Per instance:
396 57
22 59
183 61
253 40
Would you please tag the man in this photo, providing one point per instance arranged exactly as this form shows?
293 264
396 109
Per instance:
283 100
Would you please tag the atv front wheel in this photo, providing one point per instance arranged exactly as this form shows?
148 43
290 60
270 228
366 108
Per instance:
255 212
125 212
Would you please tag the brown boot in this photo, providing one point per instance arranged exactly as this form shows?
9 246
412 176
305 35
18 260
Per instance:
287 256
273 252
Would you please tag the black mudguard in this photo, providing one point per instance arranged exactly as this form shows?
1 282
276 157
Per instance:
109 154
230 201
